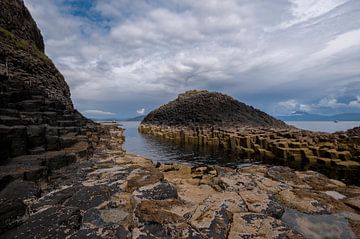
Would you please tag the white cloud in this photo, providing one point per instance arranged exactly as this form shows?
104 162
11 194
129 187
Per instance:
292 105
153 49
355 103
339 44
97 113
141 111
330 102
305 10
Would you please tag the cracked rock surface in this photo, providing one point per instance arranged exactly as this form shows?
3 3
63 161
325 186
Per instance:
112 195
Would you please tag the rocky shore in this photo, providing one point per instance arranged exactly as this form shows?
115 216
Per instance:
117 195
64 176
252 134
340 150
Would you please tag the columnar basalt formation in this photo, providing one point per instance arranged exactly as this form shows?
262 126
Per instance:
212 109
63 176
268 143
40 131
250 139
39 127
113 195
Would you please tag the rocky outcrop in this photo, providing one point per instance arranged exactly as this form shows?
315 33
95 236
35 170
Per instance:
15 18
40 131
38 125
113 195
212 109
251 134
336 154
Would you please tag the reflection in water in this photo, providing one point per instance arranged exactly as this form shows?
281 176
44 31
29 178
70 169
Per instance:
165 151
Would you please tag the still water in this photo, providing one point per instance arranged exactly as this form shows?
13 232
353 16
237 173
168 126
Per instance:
164 151
324 126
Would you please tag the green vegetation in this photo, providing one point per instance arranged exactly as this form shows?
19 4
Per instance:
24 45
5 33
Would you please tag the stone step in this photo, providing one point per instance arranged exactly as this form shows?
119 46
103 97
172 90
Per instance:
37 150
68 140
30 105
9 112
11 120
68 123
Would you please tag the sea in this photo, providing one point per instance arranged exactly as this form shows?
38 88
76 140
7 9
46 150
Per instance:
325 126
163 151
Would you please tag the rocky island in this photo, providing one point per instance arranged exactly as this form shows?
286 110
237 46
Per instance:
211 119
64 176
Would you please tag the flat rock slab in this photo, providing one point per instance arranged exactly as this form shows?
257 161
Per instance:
255 225
12 202
55 222
319 226
158 191
88 197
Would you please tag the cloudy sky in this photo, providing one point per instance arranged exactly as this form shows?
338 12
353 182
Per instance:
124 58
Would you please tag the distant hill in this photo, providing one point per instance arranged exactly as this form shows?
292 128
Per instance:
304 116
137 118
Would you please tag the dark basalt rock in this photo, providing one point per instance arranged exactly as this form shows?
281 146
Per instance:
55 222
12 206
160 191
15 18
196 108
40 131
88 197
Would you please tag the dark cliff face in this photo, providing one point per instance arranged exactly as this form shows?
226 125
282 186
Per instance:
36 111
210 108
15 18
23 65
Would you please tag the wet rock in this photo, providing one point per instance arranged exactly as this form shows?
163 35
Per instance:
92 218
151 230
13 205
56 197
87 233
55 222
318 226
158 191
88 197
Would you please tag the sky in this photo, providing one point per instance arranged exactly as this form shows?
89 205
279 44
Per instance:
124 58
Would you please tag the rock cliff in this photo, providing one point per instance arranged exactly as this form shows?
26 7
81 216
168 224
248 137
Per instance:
199 108
15 18
39 128
40 131
36 112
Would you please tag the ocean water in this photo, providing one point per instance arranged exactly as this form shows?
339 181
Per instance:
163 151
324 126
